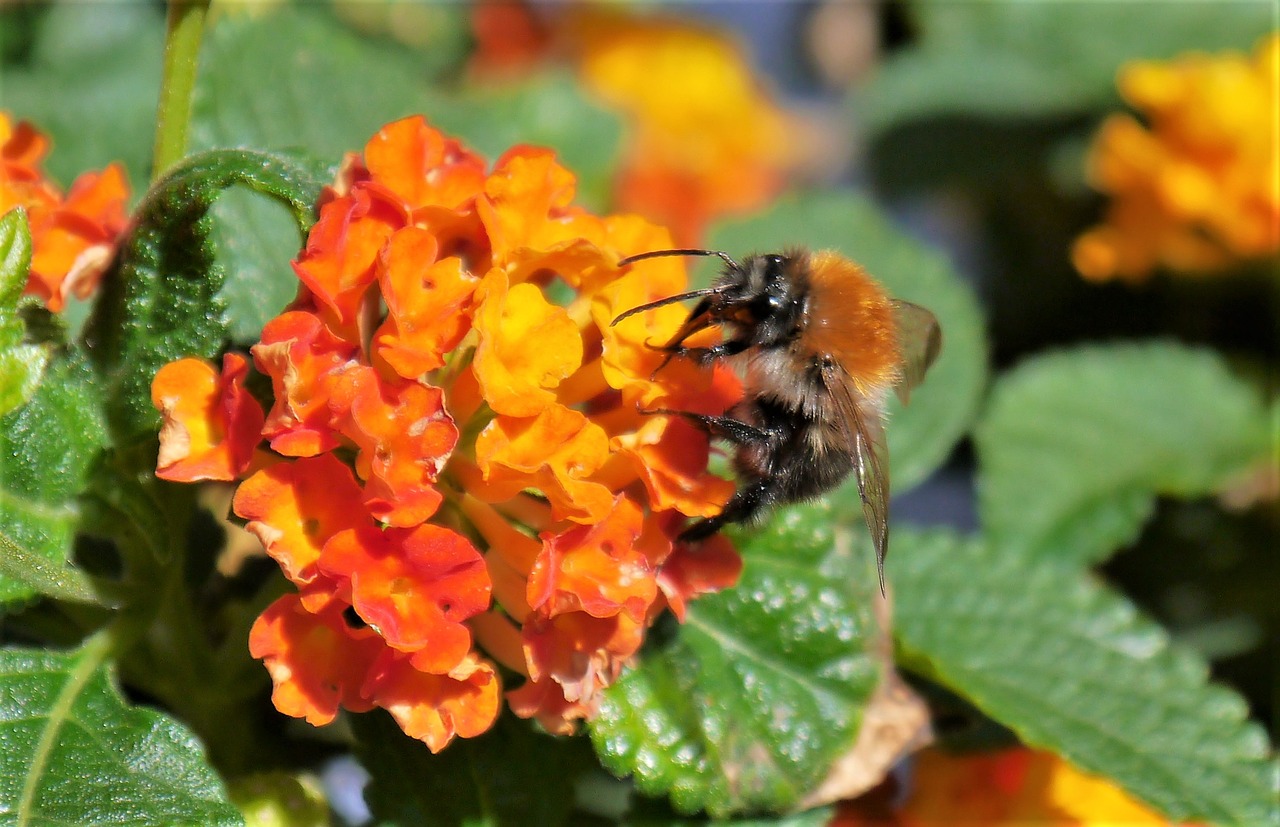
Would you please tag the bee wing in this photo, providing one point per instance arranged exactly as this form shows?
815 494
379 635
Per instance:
920 340
865 432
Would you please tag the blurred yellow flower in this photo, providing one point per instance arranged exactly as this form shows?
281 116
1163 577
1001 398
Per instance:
1015 786
705 137
1194 188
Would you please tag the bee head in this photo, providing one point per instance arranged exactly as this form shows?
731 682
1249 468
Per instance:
764 297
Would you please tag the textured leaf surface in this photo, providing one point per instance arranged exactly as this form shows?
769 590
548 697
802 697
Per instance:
1075 446
47 448
748 702
920 434
161 300
1072 666
21 364
509 775
73 752
1021 60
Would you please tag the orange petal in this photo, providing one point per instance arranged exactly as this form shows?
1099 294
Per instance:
670 455
429 303
525 192
435 708
553 452
294 508
582 653
416 587
209 422
527 346
405 437
303 360
544 701
342 249
316 661
595 569
423 167
688 573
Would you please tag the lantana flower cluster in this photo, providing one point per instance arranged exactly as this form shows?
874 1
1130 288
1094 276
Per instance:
73 236
458 471
1193 188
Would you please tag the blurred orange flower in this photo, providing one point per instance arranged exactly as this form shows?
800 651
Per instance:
1193 189
1012 787
458 468
73 237
705 139
703 136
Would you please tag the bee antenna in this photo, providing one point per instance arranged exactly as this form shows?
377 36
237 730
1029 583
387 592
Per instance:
695 294
683 251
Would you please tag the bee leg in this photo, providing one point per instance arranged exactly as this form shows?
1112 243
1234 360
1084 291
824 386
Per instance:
705 355
726 427
745 503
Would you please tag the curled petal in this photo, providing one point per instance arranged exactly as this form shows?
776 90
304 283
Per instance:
670 455
405 437
544 701
209 422
342 249
553 452
429 303
595 569
421 166
294 508
416 587
316 661
582 653
523 198
527 346
435 708
73 244
304 361
689 573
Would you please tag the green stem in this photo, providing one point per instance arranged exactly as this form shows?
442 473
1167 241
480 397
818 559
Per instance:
185 29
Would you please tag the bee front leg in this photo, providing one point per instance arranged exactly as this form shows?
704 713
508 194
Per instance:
704 355
744 505
725 427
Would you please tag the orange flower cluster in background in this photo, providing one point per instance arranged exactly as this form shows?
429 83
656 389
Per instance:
457 467
1013 787
1194 189
73 237
703 137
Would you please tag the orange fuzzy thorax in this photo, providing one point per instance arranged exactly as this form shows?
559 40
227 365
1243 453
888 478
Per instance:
851 319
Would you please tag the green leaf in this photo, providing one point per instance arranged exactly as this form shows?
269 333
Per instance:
161 301
923 433
47 448
1074 446
509 775
1027 60
332 89
90 81
75 753
21 364
749 702
1072 666
254 239
44 576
